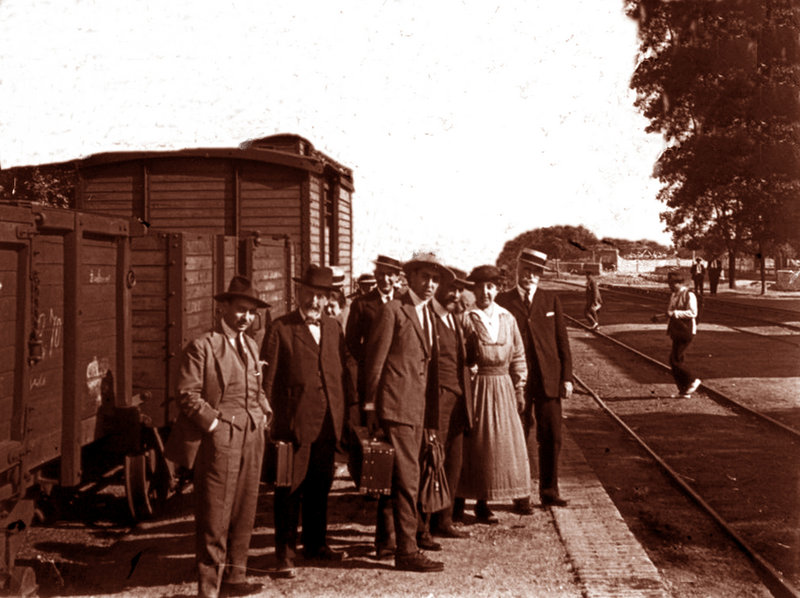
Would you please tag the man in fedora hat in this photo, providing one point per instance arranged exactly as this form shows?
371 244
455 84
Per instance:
544 334
306 385
399 353
220 432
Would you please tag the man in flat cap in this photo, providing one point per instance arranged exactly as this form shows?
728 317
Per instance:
306 385
544 334
220 432
397 365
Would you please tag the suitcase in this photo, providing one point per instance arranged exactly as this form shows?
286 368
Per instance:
371 463
279 459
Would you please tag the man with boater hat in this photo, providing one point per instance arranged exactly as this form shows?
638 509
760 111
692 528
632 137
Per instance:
398 358
544 334
220 432
306 385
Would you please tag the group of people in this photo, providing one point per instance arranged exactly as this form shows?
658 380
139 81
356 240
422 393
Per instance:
698 273
412 366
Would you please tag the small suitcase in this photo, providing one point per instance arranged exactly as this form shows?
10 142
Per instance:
283 453
371 463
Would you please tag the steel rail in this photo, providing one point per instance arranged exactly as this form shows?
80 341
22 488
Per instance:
706 307
716 395
772 578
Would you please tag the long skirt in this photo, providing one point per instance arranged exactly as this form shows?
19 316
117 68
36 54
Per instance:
495 452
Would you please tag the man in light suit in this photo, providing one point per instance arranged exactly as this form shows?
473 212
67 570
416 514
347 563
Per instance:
544 334
220 432
306 384
398 357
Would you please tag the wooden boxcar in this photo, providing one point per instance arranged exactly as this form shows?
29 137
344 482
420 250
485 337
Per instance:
65 342
274 188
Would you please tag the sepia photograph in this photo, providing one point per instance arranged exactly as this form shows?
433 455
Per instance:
395 298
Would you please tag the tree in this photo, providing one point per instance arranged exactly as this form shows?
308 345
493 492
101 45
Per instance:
558 242
720 80
51 185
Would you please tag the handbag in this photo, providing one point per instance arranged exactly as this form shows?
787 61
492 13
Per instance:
434 491
680 328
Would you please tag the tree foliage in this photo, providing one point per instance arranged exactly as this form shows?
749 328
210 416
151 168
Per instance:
720 81
558 242
51 185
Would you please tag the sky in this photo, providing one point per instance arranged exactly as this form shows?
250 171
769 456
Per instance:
465 123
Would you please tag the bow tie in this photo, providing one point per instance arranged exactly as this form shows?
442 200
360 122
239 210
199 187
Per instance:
312 321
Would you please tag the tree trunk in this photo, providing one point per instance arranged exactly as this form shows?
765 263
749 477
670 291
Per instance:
731 269
763 268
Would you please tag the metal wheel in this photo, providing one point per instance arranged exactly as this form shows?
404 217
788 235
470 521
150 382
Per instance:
139 473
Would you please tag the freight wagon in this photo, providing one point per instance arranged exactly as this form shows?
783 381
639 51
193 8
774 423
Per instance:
185 223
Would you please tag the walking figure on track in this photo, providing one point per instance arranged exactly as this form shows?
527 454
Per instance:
593 300
681 328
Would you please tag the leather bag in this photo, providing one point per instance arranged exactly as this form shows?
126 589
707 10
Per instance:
434 491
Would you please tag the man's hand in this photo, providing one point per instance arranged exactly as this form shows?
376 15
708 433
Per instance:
520 401
373 425
566 390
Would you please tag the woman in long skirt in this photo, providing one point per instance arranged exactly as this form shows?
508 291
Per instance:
496 464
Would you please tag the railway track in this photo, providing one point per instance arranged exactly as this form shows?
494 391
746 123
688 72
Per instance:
772 574
744 369
733 460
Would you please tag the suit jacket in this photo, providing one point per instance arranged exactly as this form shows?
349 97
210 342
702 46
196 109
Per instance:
396 364
303 379
544 334
207 365
464 375
363 314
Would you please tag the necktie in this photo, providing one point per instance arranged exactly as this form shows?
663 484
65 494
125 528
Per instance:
312 322
426 327
240 348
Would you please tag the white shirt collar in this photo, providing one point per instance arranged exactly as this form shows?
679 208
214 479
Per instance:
416 299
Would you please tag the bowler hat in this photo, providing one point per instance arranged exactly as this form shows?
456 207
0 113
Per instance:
241 286
367 279
317 277
533 258
486 273
389 262
427 258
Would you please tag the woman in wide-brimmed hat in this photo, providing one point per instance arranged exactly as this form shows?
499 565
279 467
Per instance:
495 453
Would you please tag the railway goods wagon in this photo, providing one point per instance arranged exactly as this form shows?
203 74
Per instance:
65 357
273 188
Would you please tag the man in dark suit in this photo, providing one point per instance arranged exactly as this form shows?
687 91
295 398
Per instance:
714 271
541 323
364 312
397 365
450 377
305 382
220 432
698 272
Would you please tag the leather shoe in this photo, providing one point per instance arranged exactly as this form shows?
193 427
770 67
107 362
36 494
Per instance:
324 553
384 552
426 542
417 562
241 588
448 531
522 506
553 501
285 569
485 515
